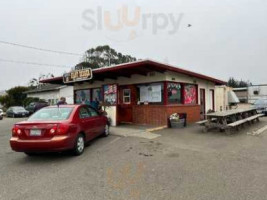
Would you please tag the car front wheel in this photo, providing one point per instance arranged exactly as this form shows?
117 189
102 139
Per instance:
79 145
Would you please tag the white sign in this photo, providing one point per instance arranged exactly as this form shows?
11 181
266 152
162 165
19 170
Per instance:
150 93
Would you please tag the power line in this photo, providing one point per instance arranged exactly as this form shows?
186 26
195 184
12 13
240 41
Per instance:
40 49
32 63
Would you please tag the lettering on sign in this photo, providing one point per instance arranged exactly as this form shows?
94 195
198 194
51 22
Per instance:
78 75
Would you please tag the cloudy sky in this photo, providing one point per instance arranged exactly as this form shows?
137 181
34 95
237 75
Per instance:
227 38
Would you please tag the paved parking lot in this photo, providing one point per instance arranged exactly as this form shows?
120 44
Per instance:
180 164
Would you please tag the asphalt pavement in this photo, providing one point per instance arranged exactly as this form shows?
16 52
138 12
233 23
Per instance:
180 164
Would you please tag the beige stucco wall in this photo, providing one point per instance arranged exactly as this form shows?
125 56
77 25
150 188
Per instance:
64 91
135 79
67 92
112 114
46 95
221 93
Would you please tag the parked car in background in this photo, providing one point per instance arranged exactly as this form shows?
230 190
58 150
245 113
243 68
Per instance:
17 111
59 128
261 106
35 106
1 114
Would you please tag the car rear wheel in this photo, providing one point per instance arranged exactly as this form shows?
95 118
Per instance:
106 131
79 145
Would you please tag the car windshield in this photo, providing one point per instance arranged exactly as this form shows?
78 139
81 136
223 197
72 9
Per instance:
51 114
19 109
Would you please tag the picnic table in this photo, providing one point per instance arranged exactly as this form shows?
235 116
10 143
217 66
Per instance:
230 119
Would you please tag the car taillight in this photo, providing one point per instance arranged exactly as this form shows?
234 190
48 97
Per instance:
62 129
16 131
53 130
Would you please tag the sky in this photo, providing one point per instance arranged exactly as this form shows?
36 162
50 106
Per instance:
221 39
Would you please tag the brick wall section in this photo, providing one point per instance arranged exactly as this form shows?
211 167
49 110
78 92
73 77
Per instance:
193 111
158 114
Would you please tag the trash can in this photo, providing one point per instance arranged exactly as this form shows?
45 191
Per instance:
177 120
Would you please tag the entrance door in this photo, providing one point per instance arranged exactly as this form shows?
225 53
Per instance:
212 100
202 103
126 102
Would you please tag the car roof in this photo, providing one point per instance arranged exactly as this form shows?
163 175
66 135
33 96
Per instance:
65 106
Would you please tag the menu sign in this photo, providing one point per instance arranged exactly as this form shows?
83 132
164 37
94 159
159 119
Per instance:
78 75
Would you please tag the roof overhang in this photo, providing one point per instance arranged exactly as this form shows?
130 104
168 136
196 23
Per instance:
142 67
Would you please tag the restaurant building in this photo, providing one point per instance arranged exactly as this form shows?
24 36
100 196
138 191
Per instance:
147 92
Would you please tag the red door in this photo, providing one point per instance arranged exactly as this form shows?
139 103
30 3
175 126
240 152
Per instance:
88 123
99 122
127 99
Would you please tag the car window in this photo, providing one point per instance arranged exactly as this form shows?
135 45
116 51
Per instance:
84 113
93 112
51 114
19 109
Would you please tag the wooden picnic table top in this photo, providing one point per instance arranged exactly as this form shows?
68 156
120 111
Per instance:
229 112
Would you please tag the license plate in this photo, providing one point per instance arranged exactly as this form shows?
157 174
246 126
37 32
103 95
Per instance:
35 132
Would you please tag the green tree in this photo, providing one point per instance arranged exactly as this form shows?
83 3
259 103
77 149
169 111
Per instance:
232 82
29 100
6 101
102 56
14 97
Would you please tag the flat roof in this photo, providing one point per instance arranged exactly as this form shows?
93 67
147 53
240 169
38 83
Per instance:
240 89
141 67
45 88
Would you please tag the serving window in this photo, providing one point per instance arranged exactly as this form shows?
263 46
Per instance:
151 93
97 94
83 96
174 93
87 96
110 94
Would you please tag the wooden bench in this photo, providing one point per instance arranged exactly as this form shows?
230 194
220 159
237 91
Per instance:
243 121
237 123
203 122
254 117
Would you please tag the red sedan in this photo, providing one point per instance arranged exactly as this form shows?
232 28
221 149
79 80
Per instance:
56 129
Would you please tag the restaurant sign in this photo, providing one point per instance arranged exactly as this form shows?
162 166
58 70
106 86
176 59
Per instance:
78 75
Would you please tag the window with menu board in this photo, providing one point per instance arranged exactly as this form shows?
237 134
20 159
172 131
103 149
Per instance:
151 93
